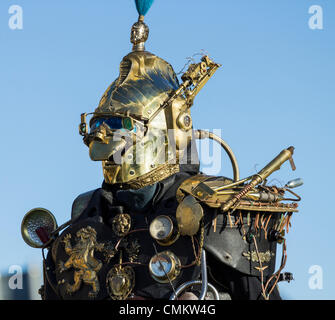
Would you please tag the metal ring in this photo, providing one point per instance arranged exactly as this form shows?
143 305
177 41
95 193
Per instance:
186 285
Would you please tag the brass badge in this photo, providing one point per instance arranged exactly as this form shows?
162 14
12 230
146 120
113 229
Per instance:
86 266
120 282
264 256
121 224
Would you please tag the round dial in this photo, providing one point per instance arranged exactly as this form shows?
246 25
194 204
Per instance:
164 266
160 265
161 228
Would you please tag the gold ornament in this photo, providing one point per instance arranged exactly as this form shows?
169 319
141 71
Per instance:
83 261
121 224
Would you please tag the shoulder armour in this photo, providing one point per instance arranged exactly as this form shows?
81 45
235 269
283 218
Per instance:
81 203
259 216
202 187
216 191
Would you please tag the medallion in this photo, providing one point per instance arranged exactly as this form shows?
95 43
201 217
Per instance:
121 224
120 282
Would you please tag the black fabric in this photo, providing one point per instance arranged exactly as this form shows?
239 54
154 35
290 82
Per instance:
104 205
239 285
140 198
49 289
228 245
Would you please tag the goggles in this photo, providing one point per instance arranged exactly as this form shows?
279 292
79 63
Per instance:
115 123
126 124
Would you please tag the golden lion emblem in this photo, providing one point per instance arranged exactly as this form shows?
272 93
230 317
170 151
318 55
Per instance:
83 261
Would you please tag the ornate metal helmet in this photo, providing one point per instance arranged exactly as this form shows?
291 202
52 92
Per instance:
138 134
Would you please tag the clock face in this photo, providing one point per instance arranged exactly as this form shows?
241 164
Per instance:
164 266
161 228
160 265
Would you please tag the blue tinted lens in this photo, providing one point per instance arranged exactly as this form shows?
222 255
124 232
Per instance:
114 123
96 123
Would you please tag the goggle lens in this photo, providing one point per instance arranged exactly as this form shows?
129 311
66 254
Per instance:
114 123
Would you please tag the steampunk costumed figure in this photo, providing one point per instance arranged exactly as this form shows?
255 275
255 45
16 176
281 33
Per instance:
158 228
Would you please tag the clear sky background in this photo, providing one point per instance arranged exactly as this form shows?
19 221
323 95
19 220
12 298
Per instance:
276 88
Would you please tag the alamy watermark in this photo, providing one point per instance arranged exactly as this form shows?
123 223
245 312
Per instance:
15 281
315 281
15 21
315 22
158 147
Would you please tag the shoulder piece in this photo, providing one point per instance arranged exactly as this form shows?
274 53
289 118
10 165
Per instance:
260 215
189 186
216 191
81 203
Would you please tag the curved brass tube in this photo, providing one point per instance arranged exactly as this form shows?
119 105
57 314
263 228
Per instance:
202 134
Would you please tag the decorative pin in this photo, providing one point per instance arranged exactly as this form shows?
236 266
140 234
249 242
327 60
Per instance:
253 256
121 224
139 30
120 281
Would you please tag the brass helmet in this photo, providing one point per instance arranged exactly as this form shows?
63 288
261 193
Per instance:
140 136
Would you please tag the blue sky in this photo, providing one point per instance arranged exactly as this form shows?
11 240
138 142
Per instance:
276 88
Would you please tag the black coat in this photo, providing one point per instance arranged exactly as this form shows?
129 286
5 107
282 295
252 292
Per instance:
104 204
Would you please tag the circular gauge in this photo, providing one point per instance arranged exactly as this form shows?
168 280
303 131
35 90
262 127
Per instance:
161 265
164 266
161 228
